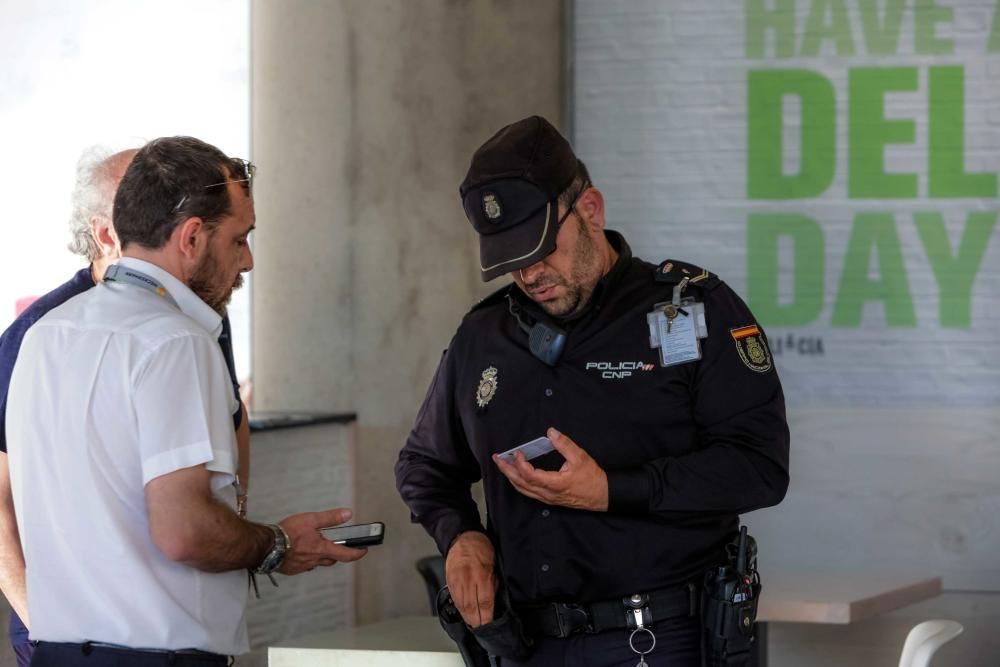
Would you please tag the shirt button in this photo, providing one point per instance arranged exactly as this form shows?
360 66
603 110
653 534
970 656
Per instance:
545 512
548 391
545 567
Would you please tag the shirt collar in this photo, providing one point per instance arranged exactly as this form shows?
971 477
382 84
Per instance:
189 302
614 276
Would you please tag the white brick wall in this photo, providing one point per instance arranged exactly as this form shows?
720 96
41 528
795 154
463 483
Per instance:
895 453
660 114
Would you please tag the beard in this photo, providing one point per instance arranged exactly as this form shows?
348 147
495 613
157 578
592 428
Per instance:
206 283
584 274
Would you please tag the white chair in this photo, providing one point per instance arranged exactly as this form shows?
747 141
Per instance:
925 639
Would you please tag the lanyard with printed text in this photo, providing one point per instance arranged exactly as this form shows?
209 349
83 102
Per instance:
117 273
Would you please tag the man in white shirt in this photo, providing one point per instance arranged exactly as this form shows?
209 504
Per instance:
122 451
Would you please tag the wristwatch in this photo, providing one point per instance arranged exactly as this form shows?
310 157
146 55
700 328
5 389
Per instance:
276 556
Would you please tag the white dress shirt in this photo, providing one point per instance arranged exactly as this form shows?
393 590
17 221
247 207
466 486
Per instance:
114 388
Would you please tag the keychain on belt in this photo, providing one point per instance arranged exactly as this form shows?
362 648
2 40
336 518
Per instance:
637 615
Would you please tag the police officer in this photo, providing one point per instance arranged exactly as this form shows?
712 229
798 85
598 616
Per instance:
657 391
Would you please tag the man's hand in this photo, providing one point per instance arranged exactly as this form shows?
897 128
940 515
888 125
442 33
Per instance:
580 483
309 548
468 569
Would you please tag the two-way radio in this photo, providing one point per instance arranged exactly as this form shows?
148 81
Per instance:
729 605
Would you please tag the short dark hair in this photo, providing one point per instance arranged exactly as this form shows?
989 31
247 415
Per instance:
580 179
170 180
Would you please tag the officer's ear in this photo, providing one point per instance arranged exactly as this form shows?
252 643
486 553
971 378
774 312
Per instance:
590 207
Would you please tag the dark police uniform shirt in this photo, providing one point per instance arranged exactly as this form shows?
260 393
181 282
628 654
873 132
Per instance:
10 345
686 448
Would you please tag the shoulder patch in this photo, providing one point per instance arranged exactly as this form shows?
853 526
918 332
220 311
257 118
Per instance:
496 297
674 271
752 348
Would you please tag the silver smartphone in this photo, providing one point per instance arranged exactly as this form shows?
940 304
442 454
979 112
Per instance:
358 535
531 450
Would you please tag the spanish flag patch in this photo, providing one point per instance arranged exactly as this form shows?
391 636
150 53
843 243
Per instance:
752 348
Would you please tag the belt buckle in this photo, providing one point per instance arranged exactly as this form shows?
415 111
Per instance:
637 612
571 618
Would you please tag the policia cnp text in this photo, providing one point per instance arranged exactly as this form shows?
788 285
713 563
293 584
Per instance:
623 523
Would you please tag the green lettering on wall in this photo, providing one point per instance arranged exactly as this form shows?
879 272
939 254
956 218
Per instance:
946 156
994 45
869 132
955 274
766 90
758 20
882 33
874 232
927 14
763 233
837 29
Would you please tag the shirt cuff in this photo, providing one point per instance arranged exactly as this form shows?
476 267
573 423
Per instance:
628 490
447 528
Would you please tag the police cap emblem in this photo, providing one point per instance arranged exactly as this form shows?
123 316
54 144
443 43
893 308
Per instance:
491 207
487 387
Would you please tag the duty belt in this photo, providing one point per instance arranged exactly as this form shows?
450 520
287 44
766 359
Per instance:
560 619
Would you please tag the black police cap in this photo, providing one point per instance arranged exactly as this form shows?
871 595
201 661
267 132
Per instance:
510 194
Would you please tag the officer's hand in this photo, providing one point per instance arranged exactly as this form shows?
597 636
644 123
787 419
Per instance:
468 569
580 483
309 548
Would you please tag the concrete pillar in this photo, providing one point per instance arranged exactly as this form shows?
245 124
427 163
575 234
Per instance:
365 115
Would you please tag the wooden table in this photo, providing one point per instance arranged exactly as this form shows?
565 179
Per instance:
418 641
839 599
834 598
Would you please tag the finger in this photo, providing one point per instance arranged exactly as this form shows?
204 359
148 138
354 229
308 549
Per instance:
344 554
542 480
564 445
522 465
463 593
484 602
537 494
332 517
468 607
509 471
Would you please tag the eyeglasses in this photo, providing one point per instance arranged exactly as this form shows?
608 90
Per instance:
572 206
237 166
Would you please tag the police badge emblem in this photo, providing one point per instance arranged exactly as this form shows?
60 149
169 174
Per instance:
491 207
752 348
487 387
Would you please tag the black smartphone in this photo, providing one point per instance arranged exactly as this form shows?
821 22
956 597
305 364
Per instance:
359 535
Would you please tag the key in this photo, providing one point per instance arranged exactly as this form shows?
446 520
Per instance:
671 312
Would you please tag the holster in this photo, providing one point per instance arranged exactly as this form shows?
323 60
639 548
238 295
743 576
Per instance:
504 636
472 653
